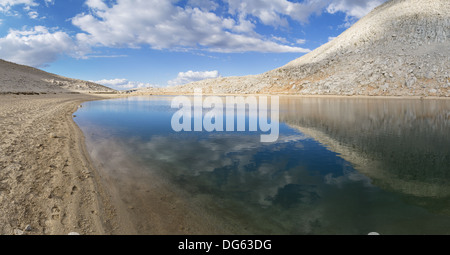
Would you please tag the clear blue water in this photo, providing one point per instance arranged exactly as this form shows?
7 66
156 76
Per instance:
364 165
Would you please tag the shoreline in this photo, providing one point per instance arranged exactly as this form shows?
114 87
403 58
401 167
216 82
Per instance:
47 178
288 95
48 184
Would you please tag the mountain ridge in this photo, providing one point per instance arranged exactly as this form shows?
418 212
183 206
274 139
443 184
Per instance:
16 78
401 48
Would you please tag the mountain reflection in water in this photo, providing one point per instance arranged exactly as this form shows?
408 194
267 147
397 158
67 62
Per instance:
341 166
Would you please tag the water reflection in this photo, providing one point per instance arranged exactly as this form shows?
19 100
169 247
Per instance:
300 184
403 145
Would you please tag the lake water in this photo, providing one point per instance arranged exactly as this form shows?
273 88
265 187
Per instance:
340 166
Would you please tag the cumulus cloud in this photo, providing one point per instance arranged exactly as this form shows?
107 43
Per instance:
123 84
191 76
206 5
33 14
35 47
96 4
276 12
162 25
198 24
353 8
6 5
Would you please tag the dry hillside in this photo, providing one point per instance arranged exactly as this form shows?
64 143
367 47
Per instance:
16 78
401 48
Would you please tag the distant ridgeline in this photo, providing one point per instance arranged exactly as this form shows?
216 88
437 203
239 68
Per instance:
20 79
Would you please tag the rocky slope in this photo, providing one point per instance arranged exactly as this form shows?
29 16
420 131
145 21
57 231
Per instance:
16 78
401 48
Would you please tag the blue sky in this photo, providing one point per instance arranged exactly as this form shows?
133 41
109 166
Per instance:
134 43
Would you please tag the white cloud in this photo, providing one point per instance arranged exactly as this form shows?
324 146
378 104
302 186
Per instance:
112 82
17 2
301 41
35 47
206 5
5 5
49 2
33 14
201 24
162 25
280 39
353 8
275 12
331 38
191 76
123 84
96 4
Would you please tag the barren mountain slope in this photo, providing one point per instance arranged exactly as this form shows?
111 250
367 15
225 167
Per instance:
19 78
400 48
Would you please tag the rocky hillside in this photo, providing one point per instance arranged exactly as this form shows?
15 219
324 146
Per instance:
16 78
402 48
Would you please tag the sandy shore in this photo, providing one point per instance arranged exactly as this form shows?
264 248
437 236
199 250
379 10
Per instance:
50 186
46 178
